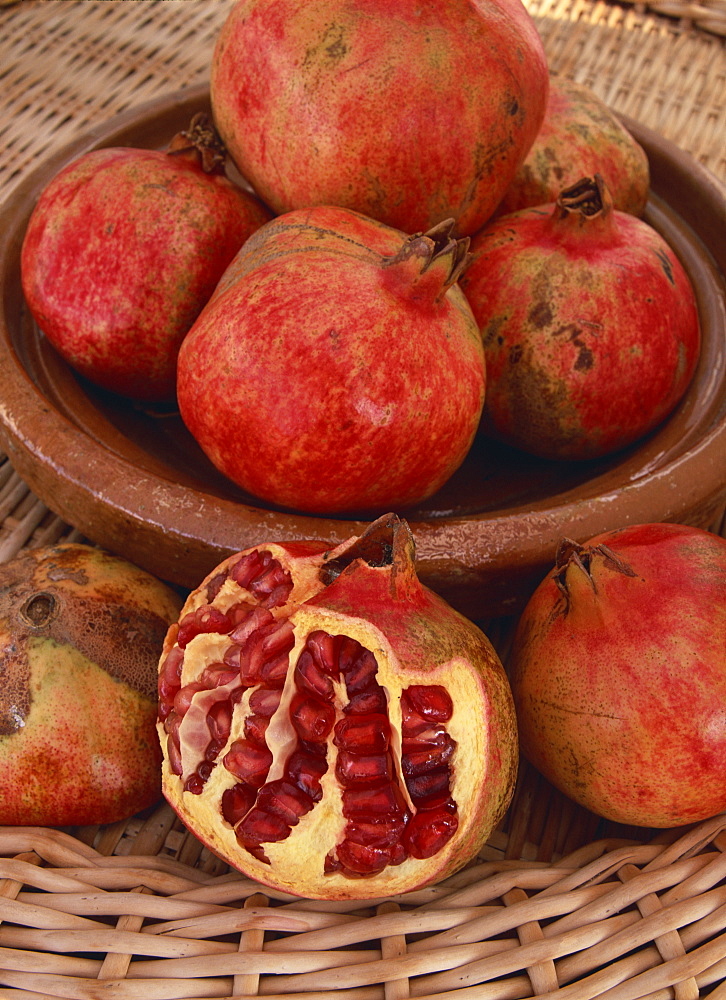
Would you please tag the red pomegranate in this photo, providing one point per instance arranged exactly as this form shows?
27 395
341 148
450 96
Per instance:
123 249
338 366
618 671
81 632
579 137
331 727
589 322
407 112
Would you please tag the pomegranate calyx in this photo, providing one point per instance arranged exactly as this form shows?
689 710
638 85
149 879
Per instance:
201 143
428 264
570 553
588 198
377 546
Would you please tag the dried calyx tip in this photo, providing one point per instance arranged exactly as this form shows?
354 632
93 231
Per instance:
437 244
587 196
201 139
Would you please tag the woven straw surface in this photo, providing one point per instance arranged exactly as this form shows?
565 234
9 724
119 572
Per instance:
559 904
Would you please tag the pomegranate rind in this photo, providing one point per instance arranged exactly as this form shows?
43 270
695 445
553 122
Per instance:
416 639
619 675
303 96
320 340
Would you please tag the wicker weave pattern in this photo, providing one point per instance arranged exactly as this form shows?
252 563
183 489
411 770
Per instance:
615 919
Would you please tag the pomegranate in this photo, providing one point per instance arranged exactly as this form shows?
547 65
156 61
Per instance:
330 726
80 636
123 249
618 672
589 321
579 137
407 112
338 366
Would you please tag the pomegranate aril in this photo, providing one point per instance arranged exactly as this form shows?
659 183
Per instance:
237 802
205 769
194 784
219 720
372 701
174 755
214 748
183 697
377 833
362 859
260 826
429 701
427 832
309 677
274 671
348 651
363 733
324 649
263 575
255 728
305 770
265 701
365 803
215 585
284 800
313 719
205 619
248 762
429 758
423 786
363 769
217 674
361 673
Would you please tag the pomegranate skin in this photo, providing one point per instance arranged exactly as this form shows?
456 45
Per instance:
618 672
579 137
407 112
589 323
338 366
122 250
80 635
355 835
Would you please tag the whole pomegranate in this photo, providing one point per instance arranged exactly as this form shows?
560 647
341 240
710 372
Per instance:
123 249
338 366
330 726
407 112
579 137
589 322
80 636
618 671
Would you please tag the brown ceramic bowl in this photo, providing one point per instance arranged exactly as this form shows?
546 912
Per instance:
134 481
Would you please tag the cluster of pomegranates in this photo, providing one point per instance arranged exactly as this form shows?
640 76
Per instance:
416 255
422 255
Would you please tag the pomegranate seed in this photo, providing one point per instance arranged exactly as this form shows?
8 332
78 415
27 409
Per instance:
248 762
383 832
217 674
348 652
260 826
219 720
432 756
205 769
370 702
253 619
430 701
244 571
255 728
366 803
363 733
363 769
362 859
172 668
427 832
183 697
273 586
324 649
361 673
423 786
194 784
311 678
305 770
423 738
215 585
285 800
174 755
313 720
237 802
171 725
206 619
274 671
265 701
398 854
214 748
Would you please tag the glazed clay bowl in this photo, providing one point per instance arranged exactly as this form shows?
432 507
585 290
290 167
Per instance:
134 481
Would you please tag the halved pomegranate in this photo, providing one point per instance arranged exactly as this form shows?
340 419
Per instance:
330 726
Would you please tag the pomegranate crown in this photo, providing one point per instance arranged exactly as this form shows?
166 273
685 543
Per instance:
202 143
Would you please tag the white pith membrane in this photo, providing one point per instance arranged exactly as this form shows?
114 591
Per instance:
297 863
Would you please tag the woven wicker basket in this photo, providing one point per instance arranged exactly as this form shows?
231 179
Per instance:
559 903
